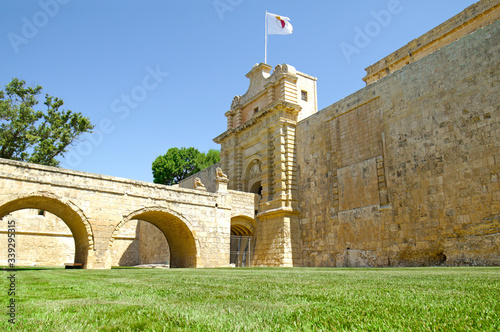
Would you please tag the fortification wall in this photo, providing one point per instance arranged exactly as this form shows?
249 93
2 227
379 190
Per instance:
405 171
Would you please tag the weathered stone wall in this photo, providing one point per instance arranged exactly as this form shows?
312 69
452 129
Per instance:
125 251
243 204
139 242
42 239
405 171
153 246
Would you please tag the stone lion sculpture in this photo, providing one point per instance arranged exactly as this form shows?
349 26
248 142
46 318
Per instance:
198 184
219 174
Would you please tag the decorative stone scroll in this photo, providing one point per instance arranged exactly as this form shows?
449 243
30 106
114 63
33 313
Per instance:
236 102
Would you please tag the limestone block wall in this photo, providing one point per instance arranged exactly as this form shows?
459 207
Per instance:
42 239
405 172
153 246
125 250
140 242
309 101
243 219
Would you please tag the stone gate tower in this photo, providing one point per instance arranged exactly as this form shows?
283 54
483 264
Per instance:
258 155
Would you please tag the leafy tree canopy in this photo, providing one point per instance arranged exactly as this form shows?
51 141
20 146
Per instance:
32 135
178 164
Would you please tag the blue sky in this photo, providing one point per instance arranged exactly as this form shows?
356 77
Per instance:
158 74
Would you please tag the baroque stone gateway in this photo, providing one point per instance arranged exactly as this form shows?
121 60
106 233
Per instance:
404 172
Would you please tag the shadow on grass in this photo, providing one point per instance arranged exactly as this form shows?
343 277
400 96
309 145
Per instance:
31 268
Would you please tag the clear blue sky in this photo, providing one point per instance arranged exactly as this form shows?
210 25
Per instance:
181 62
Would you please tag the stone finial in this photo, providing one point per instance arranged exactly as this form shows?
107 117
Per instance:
280 69
198 184
236 102
284 69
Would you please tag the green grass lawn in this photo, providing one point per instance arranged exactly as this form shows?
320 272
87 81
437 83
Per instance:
256 299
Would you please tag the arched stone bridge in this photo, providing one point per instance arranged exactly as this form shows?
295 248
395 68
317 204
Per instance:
196 223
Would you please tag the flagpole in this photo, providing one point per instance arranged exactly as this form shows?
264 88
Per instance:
265 48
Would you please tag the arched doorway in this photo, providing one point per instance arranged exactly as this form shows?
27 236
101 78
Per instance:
72 216
177 230
242 241
256 188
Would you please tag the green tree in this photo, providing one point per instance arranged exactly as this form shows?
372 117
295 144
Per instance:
178 164
206 160
32 135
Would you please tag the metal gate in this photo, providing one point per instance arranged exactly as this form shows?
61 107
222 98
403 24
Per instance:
241 251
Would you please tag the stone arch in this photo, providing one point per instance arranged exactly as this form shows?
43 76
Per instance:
242 241
253 177
242 226
178 230
66 210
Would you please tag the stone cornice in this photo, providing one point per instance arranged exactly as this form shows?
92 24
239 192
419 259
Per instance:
279 104
281 211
